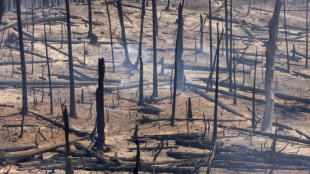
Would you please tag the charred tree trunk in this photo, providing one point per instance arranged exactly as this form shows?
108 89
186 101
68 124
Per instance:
111 38
189 111
90 23
100 106
72 93
32 38
127 62
69 167
141 35
155 85
168 6
180 20
230 50
48 73
286 42
201 50
140 56
2 7
307 32
226 37
271 48
214 136
22 59
235 88
210 28
253 102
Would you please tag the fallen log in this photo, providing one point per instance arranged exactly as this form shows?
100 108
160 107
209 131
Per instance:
270 135
145 119
153 148
101 159
20 148
200 144
13 157
18 125
71 130
222 105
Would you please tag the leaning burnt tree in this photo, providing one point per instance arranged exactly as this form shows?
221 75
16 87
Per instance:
111 38
2 6
72 112
90 22
140 56
127 62
155 84
48 73
271 48
177 51
286 41
22 59
100 141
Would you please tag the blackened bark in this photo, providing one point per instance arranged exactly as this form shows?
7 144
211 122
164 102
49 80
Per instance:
180 20
189 111
168 6
100 106
140 56
307 32
32 38
2 7
22 59
210 28
226 36
155 85
22 127
127 62
230 50
136 169
48 73
69 167
253 102
90 22
201 50
84 54
72 93
141 35
271 48
111 38
286 42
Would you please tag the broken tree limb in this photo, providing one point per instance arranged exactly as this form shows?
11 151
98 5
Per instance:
222 105
71 130
20 148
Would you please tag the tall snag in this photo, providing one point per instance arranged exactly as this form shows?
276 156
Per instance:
32 38
201 50
210 32
72 93
286 41
180 21
100 141
69 167
111 38
230 48
22 59
90 22
140 56
271 48
226 36
253 94
307 31
127 62
48 72
155 84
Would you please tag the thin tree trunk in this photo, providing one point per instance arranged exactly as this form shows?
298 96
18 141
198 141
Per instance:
210 28
155 85
111 38
127 62
22 59
48 73
226 36
235 88
140 56
201 50
69 167
32 38
90 31
271 48
286 42
2 7
100 105
180 20
307 32
230 52
72 93
253 102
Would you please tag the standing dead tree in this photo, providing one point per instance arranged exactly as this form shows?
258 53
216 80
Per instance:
202 23
230 46
111 38
141 36
253 94
22 59
32 38
100 141
180 20
2 7
48 72
286 41
69 167
72 93
155 84
271 48
90 23
307 31
140 55
226 36
210 32
127 62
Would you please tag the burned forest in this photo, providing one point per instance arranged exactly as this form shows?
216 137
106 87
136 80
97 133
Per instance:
154 86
